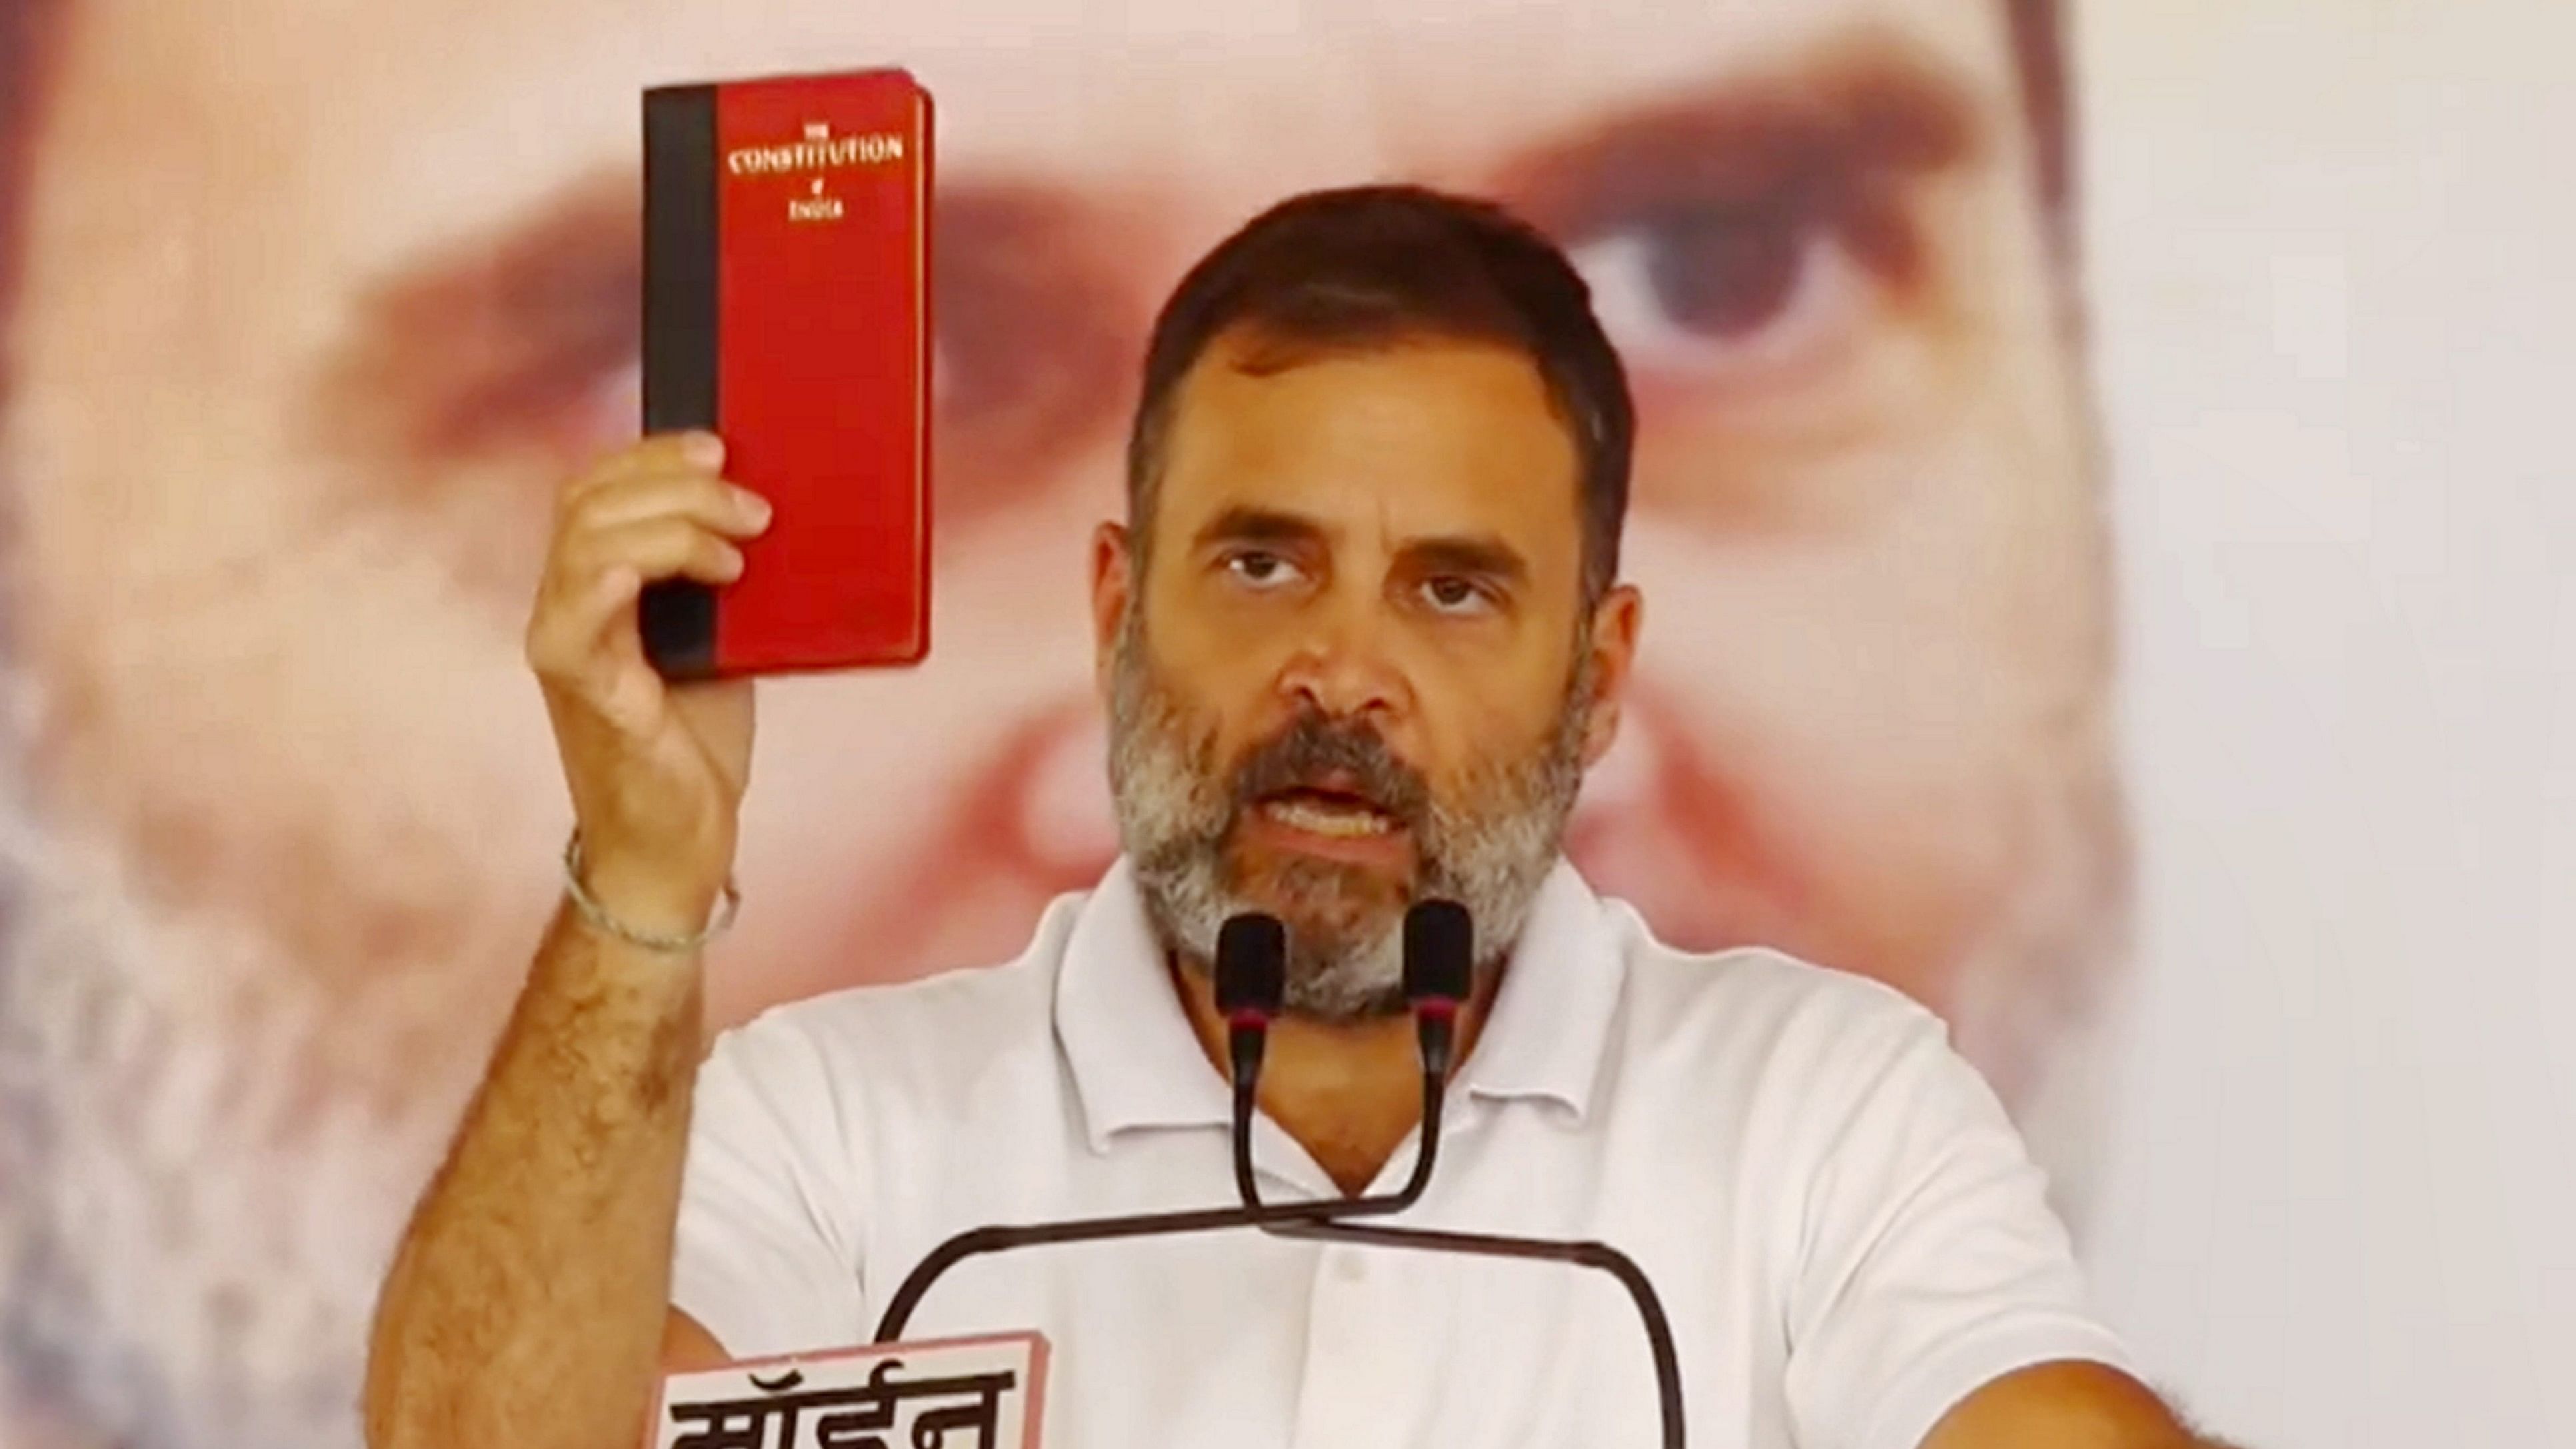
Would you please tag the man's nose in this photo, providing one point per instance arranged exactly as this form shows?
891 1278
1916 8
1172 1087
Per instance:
1344 669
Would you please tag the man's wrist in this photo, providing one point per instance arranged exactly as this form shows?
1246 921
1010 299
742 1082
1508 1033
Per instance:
647 908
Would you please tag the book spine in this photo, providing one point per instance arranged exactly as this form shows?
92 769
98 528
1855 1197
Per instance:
681 337
924 183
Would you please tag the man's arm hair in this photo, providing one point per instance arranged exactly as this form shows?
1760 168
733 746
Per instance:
529 1303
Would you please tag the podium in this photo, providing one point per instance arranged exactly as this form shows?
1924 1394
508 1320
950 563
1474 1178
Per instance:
958 1393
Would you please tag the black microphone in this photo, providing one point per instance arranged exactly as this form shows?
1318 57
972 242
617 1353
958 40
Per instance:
1439 971
1439 964
1252 970
1252 981
1251 973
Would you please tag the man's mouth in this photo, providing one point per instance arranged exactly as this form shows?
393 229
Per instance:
1333 814
1657 826
1332 817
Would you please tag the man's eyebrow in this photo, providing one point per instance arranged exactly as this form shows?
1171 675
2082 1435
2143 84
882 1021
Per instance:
504 337
488 342
1860 105
1244 523
1477 555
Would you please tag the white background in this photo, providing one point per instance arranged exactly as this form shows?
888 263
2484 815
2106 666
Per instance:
2334 277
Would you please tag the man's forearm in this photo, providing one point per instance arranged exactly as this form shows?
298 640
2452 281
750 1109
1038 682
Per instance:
526 1304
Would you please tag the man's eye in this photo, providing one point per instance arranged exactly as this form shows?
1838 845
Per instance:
1699 290
1262 570
1453 595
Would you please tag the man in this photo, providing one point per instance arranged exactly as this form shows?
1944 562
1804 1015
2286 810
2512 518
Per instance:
1359 638
319 301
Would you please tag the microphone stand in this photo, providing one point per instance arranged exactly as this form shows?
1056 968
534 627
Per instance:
1251 976
1438 957
1595 1255
1003 1237
1251 972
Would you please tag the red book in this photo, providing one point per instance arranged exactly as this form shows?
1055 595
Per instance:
786 309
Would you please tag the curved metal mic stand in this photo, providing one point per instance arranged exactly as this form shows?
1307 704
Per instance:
1438 965
1252 950
1250 970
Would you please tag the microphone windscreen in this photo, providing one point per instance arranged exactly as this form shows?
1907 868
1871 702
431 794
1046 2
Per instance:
1251 964
1439 951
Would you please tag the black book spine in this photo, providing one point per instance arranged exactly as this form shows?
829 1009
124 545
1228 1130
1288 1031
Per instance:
681 337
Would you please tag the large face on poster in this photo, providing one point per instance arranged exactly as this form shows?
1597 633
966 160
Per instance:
320 302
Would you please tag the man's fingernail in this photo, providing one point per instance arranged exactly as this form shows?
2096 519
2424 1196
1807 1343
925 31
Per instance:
704 449
754 507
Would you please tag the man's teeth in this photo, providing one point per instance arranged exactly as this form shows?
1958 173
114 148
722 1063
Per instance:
1318 818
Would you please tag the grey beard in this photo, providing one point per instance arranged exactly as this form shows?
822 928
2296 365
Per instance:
192 1225
192 1231
1176 811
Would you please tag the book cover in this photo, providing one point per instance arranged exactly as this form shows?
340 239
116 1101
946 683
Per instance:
786 308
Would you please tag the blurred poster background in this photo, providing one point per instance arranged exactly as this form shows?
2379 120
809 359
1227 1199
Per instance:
2111 572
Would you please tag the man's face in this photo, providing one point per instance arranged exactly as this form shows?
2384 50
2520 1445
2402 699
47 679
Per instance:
1354 666
320 302
286 439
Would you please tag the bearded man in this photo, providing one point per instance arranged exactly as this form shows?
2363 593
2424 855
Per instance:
278 455
1360 636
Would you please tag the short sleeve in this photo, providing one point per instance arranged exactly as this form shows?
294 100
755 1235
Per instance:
1929 1262
765 1254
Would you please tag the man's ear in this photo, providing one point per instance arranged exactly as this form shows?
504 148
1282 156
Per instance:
1113 592
1616 622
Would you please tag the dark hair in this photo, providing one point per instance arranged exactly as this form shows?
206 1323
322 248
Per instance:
1368 267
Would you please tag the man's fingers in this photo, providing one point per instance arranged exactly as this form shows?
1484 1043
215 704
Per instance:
682 452
593 581
662 547
704 499
569 637
652 511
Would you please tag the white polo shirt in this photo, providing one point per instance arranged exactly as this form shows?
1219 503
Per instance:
1839 1218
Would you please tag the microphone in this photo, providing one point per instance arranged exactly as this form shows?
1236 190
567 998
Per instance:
1252 981
1439 963
1251 973
1439 971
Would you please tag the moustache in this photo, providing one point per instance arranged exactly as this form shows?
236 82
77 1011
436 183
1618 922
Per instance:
1343 757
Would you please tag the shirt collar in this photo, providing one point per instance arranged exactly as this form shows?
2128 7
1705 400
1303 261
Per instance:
1136 1062
1550 1026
